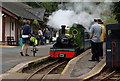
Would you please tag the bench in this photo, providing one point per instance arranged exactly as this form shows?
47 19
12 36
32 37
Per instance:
10 41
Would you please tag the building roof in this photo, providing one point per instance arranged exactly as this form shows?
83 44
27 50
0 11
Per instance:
39 12
24 11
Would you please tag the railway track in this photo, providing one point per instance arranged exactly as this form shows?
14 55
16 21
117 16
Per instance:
46 69
113 76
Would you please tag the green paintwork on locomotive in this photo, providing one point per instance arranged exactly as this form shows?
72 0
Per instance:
67 30
78 37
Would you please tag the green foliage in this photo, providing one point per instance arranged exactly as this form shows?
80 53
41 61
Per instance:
33 4
35 22
49 6
116 10
108 16
111 20
35 26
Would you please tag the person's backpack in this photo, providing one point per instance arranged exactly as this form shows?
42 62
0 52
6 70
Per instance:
34 40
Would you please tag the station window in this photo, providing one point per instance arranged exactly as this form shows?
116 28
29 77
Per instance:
12 26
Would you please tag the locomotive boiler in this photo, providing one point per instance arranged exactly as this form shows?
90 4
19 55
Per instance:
70 42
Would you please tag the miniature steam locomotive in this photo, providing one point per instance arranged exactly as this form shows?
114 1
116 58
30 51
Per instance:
70 42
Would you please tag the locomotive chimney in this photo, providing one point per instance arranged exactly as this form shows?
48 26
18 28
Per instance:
63 29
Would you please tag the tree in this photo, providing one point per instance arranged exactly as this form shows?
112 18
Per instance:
116 10
35 26
49 6
32 4
111 20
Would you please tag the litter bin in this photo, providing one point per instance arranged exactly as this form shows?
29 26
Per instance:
20 42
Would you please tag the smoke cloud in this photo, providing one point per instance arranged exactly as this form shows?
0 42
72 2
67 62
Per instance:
79 13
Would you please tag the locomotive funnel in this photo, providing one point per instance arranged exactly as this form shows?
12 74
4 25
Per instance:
63 29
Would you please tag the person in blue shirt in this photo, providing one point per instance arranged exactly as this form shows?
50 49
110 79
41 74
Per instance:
47 35
95 33
26 37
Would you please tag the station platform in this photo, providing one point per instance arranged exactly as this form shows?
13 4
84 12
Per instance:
81 68
10 56
77 69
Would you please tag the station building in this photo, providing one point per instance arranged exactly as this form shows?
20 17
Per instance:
10 15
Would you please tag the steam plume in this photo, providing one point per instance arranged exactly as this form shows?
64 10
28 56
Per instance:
80 13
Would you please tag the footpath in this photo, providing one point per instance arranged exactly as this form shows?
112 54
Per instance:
11 56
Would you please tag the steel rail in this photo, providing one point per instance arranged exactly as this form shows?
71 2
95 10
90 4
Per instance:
118 79
42 79
109 75
28 78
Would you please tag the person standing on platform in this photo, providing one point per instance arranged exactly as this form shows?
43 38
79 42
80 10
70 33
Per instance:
26 37
40 34
95 33
102 37
47 35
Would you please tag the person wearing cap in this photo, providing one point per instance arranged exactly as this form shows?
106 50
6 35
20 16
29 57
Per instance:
102 37
95 32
